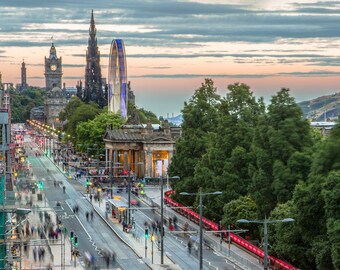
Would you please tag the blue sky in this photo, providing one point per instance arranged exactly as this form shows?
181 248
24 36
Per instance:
172 46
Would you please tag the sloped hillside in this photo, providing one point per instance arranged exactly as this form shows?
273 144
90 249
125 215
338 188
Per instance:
322 108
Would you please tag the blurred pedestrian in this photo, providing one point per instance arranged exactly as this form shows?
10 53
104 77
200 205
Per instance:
189 246
113 256
35 253
107 256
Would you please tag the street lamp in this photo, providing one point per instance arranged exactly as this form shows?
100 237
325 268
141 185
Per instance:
265 223
201 194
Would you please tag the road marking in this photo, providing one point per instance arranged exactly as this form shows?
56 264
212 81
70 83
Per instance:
80 222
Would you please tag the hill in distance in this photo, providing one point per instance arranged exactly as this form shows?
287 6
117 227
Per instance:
325 108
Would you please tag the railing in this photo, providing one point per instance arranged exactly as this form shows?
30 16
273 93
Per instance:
277 263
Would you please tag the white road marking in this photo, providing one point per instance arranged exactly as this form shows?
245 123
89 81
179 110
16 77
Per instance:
80 222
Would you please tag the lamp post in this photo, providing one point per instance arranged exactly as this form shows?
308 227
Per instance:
201 194
98 194
265 223
162 221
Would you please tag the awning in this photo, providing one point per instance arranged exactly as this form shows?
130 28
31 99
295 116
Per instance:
118 204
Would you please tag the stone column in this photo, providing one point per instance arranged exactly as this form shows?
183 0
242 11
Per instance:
107 158
143 160
126 160
115 161
150 165
170 155
137 165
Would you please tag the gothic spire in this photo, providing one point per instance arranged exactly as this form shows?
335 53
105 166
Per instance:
92 30
93 79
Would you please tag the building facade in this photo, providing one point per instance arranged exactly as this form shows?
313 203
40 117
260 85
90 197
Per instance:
53 70
144 151
55 97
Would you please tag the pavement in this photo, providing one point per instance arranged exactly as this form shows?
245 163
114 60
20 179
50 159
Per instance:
240 258
57 252
135 239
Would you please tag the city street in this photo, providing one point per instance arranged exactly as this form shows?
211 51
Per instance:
93 236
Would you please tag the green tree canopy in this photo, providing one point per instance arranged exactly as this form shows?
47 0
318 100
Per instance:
200 115
70 108
23 102
92 131
82 113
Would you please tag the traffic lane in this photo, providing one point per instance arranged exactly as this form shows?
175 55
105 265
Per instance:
72 223
69 219
177 244
102 238
105 239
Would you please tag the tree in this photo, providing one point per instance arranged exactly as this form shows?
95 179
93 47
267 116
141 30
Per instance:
82 113
285 238
331 195
22 103
70 108
284 140
92 131
242 208
199 121
225 165
140 115
328 158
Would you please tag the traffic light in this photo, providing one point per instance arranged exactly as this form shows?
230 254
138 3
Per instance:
87 182
76 241
146 233
40 185
71 236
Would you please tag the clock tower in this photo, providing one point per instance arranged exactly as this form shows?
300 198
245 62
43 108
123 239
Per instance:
55 98
53 71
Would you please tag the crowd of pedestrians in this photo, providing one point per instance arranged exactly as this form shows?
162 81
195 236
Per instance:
33 247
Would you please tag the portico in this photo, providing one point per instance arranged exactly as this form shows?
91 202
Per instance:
140 151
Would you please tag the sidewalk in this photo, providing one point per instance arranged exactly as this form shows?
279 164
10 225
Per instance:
57 252
135 240
231 252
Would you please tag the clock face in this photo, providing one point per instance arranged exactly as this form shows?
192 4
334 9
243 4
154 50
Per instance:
53 67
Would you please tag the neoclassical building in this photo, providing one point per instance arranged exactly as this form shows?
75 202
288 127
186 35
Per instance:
142 150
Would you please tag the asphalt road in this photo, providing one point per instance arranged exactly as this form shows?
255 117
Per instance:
93 236
176 245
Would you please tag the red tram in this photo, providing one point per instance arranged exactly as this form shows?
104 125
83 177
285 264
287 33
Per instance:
210 225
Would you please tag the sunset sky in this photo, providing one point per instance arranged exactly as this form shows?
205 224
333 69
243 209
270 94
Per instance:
171 46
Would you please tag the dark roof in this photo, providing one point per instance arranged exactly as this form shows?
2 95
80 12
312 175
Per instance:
122 135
